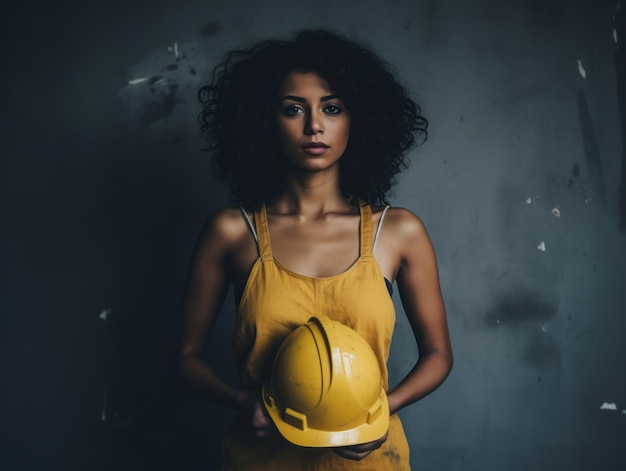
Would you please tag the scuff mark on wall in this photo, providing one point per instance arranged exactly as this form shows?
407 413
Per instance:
620 71
517 308
575 174
163 80
211 28
592 151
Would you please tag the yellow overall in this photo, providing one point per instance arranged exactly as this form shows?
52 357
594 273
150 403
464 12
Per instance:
275 301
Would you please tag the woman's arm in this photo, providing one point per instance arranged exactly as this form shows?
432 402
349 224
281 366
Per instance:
418 284
222 252
410 250
205 290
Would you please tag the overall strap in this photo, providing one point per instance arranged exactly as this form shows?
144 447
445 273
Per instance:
366 229
260 221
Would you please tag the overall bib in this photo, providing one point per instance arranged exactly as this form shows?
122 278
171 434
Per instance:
275 301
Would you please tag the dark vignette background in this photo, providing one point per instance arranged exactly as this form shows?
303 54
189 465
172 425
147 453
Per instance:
103 190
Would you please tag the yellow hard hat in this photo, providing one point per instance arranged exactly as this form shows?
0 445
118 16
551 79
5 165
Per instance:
325 388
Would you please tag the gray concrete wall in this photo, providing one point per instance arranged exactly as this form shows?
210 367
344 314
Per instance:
104 189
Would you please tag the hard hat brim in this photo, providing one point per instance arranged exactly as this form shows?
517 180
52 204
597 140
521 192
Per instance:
310 437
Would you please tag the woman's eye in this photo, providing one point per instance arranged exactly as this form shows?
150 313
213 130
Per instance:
333 109
293 110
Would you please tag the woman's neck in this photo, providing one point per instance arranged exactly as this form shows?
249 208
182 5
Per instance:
312 195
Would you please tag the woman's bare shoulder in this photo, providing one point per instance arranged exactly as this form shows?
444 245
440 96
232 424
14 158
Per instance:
226 226
404 223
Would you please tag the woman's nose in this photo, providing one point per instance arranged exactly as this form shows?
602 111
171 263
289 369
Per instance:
313 124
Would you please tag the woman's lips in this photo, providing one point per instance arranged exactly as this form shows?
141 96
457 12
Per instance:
315 148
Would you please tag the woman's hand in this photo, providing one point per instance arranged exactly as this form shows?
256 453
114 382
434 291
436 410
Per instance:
259 418
358 452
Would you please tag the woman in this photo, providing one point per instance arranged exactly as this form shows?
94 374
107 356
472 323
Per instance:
310 133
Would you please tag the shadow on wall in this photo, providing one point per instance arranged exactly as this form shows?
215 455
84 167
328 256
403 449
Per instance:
520 313
150 417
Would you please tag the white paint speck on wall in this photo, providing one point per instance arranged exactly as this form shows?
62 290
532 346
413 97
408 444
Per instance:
581 69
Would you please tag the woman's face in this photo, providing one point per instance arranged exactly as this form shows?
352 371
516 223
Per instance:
313 122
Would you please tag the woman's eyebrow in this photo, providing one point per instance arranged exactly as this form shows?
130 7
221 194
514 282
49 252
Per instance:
294 98
299 99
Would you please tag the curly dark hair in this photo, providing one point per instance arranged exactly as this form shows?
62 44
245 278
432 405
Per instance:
239 107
